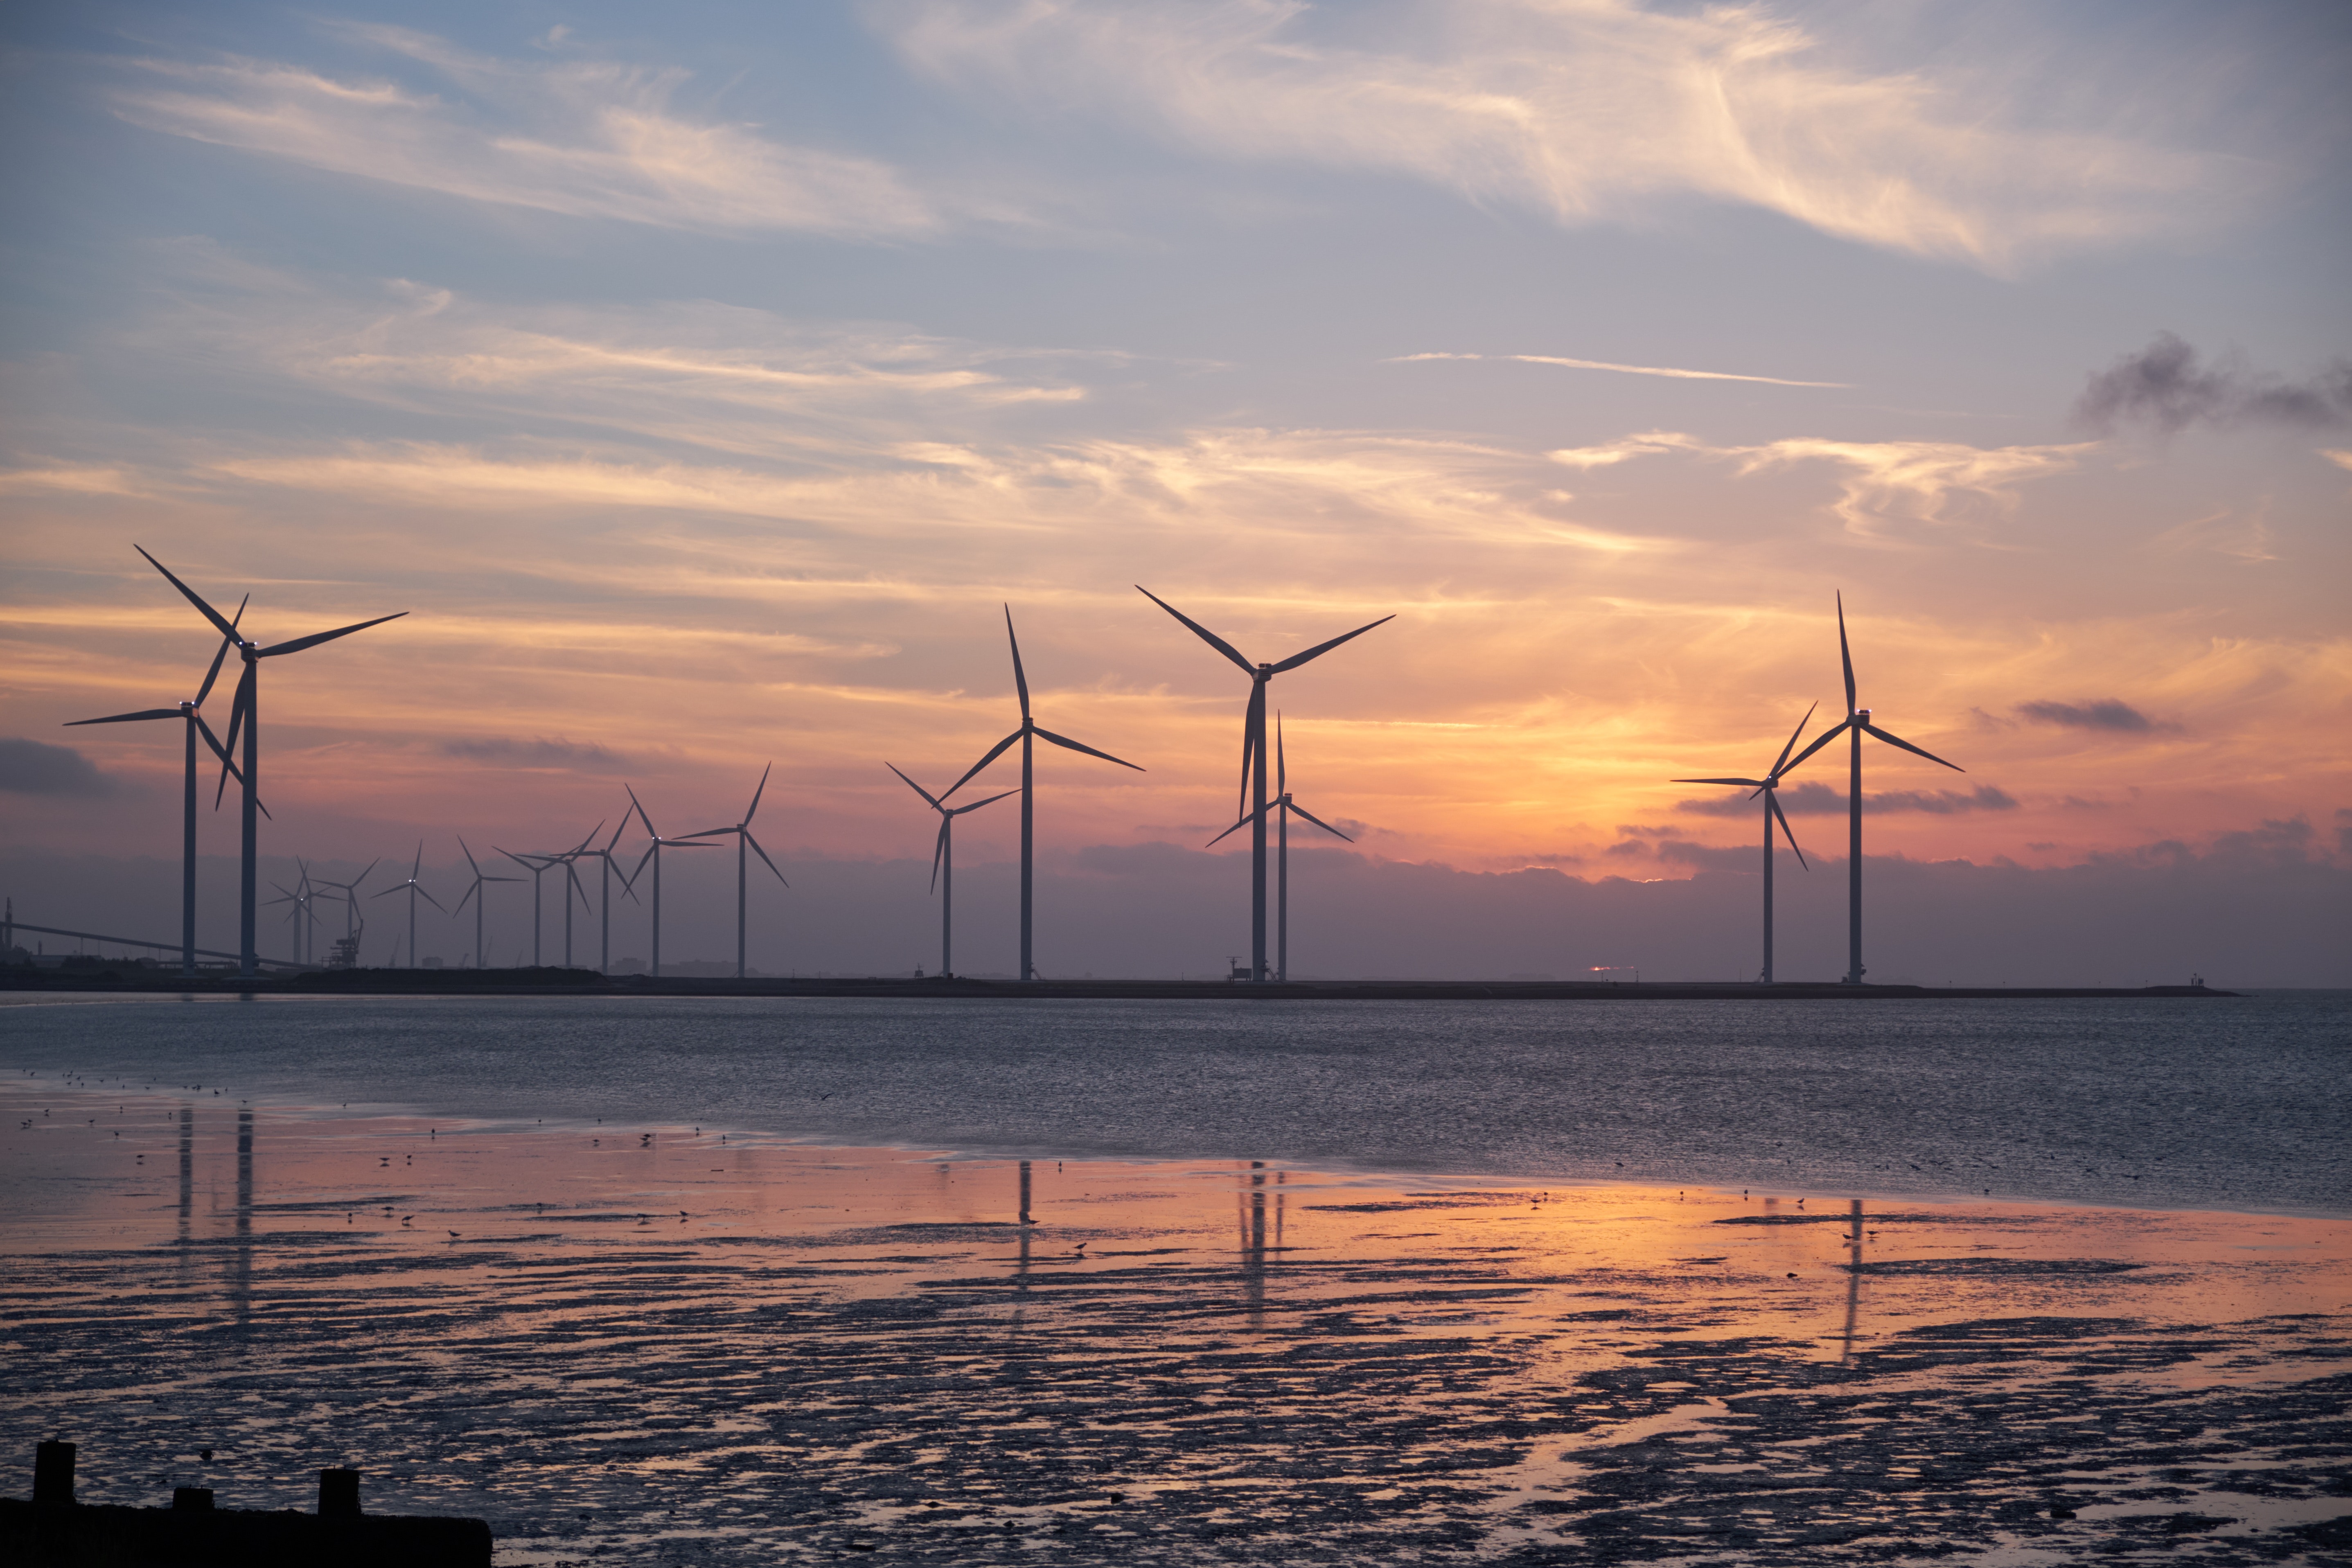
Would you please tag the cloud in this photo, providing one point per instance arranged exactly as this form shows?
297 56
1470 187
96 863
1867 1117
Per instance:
2167 388
1913 479
2107 714
541 752
1624 369
36 768
583 138
1817 800
1583 111
1880 480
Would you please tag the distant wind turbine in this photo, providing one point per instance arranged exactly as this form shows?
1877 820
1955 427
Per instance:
538 865
943 864
415 890
1253 755
1857 724
246 709
743 832
1284 805
1769 787
480 900
604 857
352 922
194 724
1029 732
653 853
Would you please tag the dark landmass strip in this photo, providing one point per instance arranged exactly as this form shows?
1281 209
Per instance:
552 981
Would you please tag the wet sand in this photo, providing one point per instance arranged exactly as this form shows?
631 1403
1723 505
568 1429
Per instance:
638 1344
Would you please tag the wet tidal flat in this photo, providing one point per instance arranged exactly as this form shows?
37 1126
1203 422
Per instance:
654 1344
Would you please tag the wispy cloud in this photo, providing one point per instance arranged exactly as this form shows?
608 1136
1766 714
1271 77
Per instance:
583 138
1878 480
1585 110
1815 799
2111 713
1623 370
540 752
2167 387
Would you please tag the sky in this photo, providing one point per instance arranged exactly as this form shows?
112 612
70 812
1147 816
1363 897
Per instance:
705 383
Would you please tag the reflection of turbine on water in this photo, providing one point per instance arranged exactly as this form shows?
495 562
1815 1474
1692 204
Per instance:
1250 1214
1853 1275
187 1185
240 1277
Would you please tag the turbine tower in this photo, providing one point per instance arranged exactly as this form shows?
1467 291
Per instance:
604 857
743 832
943 864
1857 724
415 890
480 898
1769 787
1253 755
1029 732
246 709
1284 806
194 724
653 853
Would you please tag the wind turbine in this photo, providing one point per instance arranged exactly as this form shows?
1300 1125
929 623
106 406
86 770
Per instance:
301 917
653 853
1282 804
480 900
352 922
415 890
1253 751
603 890
194 724
1857 724
1029 733
943 864
246 709
743 832
536 865
1769 787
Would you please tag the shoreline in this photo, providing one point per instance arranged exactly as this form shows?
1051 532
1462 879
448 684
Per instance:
549 981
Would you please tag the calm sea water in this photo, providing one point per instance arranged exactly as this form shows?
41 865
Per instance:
2242 1105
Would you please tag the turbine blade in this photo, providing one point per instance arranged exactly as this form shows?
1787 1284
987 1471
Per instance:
976 805
650 850
212 674
762 855
1898 741
939 849
1281 768
651 831
226 628
1318 822
469 857
994 753
388 892
917 789
1783 818
620 829
518 858
1793 740
469 894
571 876
1066 743
419 865
1320 648
433 901
1247 817
1845 657
125 717
354 885
1252 716
1210 638
315 638
762 789
1744 783
1020 680
1818 742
